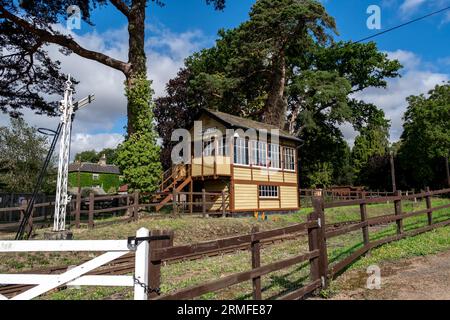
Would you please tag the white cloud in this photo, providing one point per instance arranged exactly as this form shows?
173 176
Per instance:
408 59
94 126
414 81
97 142
410 5
349 133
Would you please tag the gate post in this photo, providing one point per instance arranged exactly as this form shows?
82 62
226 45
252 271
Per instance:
154 264
141 263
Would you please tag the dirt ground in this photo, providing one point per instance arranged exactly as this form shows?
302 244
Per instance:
419 278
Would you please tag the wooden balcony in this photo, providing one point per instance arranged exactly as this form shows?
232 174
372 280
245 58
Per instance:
211 166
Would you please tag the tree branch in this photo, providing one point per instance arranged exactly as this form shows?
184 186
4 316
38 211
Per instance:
121 6
66 42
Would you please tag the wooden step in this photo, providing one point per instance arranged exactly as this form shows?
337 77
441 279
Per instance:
169 197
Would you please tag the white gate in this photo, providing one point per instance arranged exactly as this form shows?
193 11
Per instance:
77 276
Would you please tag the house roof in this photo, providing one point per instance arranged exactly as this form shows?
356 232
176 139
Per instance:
238 122
93 168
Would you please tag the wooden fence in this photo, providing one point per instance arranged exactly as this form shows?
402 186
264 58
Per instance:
307 195
91 211
9 202
321 270
317 230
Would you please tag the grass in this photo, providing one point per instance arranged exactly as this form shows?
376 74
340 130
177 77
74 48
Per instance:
195 229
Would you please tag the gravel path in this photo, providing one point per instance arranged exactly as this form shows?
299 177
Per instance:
424 278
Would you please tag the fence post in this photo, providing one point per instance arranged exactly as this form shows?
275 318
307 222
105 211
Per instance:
91 211
204 203
22 209
129 210
136 206
78 210
30 221
154 265
141 265
256 263
174 202
223 204
363 212
398 212
429 210
317 241
44 208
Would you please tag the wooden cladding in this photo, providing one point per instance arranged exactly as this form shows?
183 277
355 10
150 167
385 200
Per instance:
246 196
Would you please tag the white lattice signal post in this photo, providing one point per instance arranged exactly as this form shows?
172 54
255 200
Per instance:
67 108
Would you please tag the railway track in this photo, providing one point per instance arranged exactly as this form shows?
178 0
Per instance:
125 264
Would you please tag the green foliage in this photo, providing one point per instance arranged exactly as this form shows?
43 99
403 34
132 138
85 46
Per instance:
22 154
138 157
426 138
370 143
283 60
87 156
94 156
321 176
109 182
324 144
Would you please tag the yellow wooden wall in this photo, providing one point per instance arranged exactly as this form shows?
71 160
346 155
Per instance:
217 186
245 196
289 197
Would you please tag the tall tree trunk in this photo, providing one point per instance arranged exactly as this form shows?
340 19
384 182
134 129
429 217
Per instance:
276 104
136 53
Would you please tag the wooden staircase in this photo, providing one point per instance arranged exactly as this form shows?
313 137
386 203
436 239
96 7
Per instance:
176 178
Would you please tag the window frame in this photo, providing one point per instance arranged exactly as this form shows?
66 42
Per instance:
241 152
289 156
223 147
269 192
270 156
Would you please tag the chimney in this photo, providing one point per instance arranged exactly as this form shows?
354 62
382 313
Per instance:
102 160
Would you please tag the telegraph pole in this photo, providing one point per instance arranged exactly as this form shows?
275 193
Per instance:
394 187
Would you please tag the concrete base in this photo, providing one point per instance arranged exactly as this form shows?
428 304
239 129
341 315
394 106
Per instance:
58 235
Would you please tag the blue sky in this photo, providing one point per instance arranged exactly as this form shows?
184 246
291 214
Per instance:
183 27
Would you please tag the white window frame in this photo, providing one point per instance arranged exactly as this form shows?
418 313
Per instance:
259 151
268 191
95 176
208 147
270 155
241 152
289 159
223 147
